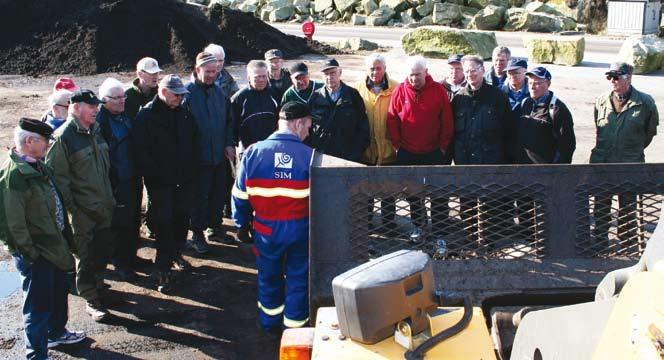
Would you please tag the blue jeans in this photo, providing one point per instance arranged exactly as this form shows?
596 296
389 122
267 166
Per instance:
45 311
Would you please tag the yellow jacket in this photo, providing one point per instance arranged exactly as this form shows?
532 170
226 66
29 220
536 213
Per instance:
380 151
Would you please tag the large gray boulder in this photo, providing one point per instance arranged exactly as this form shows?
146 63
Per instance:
368 6
248 6
282 13
521 20
321 5
396 5
356 44
358 19
380 16
440 42
481 4
343 5
446 13
426 8
491 17
537 6
561 50
645 53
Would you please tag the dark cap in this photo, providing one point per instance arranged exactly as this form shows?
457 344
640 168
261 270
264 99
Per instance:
36 127
540 72
173 83
273 54
454 58
517 63
85 96
620 68
299 69
329 64
294 110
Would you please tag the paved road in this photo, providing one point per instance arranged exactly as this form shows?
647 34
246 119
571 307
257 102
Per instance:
595 45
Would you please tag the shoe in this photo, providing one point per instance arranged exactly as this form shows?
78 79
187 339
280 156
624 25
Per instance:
164 285
198 243
96 310
101 285
141 263
416 236
219 235
126 275
67 338
180 264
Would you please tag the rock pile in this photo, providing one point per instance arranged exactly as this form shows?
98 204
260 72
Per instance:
553 16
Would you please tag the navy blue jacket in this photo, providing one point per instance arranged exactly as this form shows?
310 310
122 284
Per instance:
255 114
116 130
212 111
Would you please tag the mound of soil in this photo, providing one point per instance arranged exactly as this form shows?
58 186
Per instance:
87 37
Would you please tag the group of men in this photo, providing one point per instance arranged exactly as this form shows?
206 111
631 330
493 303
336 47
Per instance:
180 142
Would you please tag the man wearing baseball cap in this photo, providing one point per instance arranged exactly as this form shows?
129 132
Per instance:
280 228
626 120
303 87
144 87
211 109
516 85
167 151
81 164
280 78
455 79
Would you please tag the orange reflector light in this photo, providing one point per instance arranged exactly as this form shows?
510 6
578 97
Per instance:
296 344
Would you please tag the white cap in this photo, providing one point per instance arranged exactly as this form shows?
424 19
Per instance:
149 65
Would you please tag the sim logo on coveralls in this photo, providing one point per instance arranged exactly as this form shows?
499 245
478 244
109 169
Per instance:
283 160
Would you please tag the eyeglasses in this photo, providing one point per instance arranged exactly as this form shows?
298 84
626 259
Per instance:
471 70
123 97
64 106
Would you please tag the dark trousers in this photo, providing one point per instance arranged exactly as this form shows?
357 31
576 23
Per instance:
209 201
169 215
627 220
95 246
439 207
45 311
230 180
124 225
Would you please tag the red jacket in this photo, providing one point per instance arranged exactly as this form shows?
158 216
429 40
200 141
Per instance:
420 121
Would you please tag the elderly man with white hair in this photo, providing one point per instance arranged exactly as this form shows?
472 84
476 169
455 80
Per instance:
58 103
224 79
34 228
421 127
116 129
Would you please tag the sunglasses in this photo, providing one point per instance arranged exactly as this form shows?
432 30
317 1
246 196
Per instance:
613 77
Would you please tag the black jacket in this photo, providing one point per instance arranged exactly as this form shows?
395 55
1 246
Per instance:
483 126
166 143
254 114
339 128
541 138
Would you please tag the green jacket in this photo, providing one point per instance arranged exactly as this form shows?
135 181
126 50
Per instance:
80 161
28 223
622 137
135 99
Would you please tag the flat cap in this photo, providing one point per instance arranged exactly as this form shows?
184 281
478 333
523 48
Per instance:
273 54
329 64
540 72
85 96
620 68
173 83
36 126
294 110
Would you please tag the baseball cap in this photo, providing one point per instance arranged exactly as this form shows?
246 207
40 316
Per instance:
620 68
540 72
173 83
148 65
85 96
299 69
273 54
294 110
329 64
205 58
517 63
454 58
65 83
36 126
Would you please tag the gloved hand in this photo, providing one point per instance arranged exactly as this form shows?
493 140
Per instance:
244 235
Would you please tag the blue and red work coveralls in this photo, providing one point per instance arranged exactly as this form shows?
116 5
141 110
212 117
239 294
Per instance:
273 183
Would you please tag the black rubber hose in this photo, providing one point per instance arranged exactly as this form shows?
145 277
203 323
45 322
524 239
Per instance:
418 352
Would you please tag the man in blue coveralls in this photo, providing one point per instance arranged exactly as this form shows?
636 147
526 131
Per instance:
273 182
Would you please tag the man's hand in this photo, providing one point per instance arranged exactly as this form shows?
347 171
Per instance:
230 152
244 234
